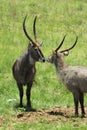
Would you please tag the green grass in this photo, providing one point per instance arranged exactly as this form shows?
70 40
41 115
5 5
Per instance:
55 19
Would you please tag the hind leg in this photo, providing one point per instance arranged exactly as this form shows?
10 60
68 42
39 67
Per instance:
20 87
81 99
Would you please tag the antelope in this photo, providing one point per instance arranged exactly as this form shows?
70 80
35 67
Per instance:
73 77
24 67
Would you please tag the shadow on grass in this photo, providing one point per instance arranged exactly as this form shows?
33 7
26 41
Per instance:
25 108
55 113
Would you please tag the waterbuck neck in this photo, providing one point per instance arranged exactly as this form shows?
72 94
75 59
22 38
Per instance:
31 60
60 65
28 57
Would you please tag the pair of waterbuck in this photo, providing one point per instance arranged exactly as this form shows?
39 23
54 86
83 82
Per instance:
74 77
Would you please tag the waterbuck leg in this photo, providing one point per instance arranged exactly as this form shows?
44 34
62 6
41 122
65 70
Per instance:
20 87
81 99
28 94
76 101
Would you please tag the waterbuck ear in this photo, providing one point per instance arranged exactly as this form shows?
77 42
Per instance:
41 43
54 52
31 43
66 53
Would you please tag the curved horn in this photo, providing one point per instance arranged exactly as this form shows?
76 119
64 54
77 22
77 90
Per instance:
24 28
60 44
71 46
34 29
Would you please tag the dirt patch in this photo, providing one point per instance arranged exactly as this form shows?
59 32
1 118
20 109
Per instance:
54 115
1 121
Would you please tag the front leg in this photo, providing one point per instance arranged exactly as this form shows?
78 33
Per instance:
20 87
76 101
28 94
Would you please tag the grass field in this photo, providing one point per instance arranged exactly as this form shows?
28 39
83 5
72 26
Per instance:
55 19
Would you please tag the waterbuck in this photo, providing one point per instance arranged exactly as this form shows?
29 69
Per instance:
24 67
73 77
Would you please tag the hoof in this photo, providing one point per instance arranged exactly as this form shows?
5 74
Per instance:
20 105
83 115
76 114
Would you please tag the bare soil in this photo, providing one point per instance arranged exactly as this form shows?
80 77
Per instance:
56 115
53 115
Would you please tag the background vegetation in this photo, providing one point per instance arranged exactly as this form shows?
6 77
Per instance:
55 19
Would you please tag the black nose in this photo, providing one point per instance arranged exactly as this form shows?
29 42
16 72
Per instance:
43 59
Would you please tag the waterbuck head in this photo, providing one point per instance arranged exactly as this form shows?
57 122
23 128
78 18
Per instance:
57 57
34 47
